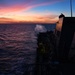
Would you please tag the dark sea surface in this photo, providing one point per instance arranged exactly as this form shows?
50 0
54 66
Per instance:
18 45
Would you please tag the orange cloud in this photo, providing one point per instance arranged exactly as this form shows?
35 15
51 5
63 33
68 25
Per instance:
7 20
33 19
9 11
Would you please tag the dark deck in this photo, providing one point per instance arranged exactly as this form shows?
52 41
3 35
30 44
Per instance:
47 62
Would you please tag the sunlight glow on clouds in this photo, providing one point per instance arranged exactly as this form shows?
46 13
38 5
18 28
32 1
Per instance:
18 10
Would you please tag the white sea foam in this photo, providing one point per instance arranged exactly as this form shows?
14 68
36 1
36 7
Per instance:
40 28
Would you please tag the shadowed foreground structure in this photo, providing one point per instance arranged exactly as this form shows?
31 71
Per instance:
54 51
53 55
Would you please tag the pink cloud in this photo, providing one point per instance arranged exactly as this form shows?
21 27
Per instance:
17 8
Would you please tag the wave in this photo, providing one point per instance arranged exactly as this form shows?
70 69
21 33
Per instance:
40 28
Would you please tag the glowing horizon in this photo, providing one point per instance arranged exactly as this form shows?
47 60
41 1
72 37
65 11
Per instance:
44 11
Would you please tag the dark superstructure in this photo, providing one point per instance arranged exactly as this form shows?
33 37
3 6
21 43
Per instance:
54 49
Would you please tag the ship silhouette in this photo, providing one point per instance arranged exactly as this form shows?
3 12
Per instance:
55 55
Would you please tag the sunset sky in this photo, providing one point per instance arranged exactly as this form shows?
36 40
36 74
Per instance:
44 11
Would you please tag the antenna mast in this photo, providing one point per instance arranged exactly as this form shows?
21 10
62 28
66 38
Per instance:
71 7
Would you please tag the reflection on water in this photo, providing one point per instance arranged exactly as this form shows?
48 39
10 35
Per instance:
17 48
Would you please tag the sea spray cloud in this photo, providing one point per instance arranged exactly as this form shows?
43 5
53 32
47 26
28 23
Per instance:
40 28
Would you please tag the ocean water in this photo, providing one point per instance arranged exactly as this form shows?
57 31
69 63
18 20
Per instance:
18 43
